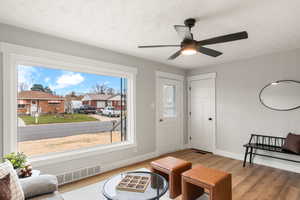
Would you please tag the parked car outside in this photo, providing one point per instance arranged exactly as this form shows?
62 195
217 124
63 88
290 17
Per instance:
87 110
111 112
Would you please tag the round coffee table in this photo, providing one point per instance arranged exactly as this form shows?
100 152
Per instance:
156 188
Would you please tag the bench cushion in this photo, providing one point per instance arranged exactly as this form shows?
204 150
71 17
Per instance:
292 143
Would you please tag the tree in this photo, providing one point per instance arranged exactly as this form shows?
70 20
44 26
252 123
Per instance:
48 90
100 88
40 87
72 94
23 87
37 87
110 91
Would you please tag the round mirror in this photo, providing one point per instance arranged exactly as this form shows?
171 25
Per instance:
281 95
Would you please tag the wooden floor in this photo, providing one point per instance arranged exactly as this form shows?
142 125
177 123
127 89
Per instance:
253 182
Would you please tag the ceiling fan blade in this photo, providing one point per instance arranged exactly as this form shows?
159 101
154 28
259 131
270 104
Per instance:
155 46
175 55
208 51
225 38
183 31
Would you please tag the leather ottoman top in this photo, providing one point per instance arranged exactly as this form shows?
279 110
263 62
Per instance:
205 175
171 164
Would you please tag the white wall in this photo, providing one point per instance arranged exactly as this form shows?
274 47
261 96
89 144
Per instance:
239 111
1 111
145 88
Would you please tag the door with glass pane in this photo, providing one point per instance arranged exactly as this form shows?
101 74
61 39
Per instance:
168 116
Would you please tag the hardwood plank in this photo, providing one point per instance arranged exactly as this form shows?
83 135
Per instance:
254 182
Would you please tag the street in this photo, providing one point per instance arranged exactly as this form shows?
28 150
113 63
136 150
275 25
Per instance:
38 132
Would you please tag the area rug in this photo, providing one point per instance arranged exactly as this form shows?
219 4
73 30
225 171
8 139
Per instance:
94 192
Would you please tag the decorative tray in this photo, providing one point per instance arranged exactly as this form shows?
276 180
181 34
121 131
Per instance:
134 183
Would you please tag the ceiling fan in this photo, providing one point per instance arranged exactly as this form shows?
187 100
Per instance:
189 46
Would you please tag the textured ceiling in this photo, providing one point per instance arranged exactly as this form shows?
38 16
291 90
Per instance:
119 25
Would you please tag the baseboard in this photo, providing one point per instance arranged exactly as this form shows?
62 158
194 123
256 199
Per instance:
229 154
122 163
186 146
288 166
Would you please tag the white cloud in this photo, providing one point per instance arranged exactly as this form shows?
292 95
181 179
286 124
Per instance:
68 79
106 83
47 79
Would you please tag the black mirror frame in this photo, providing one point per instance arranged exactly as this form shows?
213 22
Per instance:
261 101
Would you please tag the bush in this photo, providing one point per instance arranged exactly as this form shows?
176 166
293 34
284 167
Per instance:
18 160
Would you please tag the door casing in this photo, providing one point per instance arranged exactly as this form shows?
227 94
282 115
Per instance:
214 116
179 78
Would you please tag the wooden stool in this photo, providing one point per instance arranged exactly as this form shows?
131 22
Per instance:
171 168
196 180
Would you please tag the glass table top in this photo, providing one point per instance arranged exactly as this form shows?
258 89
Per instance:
157 186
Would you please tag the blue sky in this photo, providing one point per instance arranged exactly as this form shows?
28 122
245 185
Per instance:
63 82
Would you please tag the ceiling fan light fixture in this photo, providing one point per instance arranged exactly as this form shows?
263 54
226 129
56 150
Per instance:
190 46
188 51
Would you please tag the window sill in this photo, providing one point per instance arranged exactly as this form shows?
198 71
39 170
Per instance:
77 154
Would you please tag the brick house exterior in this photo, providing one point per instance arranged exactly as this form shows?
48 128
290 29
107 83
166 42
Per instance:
30 102
115 101
72 103
100 101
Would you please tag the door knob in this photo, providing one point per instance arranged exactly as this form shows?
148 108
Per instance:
210 119
161 120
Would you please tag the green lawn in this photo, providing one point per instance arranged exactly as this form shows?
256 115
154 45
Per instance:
49 119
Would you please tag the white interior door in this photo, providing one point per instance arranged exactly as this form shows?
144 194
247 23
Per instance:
169 112
202 114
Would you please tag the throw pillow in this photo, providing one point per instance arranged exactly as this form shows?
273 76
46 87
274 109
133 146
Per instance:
292 143
15 186
5 193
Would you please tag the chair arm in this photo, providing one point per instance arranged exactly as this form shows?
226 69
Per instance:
39 185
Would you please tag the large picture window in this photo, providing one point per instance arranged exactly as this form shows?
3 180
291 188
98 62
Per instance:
56 107
61 110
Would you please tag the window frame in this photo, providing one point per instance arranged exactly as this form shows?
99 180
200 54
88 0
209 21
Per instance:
20 106
14 55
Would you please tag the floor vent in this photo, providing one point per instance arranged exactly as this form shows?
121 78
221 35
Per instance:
78 174
200 151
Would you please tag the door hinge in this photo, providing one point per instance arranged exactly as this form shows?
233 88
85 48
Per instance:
190 88
190 137
190 113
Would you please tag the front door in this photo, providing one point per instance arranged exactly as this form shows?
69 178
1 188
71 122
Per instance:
168 102
202 112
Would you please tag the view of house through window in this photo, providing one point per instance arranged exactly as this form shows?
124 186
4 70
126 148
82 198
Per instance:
61 110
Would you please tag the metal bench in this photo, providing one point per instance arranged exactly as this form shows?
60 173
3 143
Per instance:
266 143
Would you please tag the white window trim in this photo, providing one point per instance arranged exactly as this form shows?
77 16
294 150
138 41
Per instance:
15 54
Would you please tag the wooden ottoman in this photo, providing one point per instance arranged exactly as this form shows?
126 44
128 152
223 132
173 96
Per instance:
196 180
171 168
